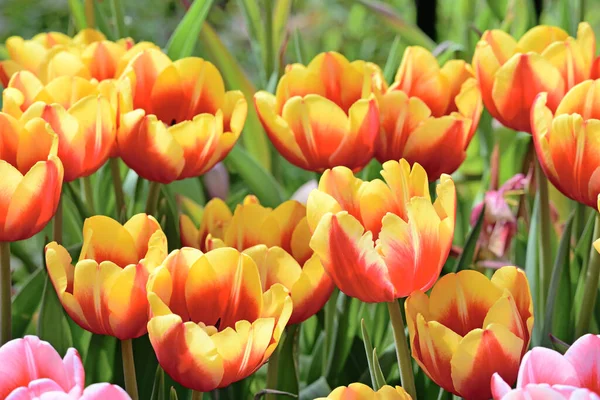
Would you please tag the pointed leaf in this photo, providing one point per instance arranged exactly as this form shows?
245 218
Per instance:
377 371
183 41
158 389
52 325
288 377
26 302
466 257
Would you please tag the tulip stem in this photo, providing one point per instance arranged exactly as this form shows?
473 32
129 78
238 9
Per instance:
89 194
5 293
129 369
545 253
272 371
152 200
590 289
197 395
115 171
57 226
402 351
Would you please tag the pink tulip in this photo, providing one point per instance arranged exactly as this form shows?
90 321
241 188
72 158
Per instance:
30 369
547 374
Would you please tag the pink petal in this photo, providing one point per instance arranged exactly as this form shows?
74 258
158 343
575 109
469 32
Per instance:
574 393
499 387
75 372
541 365
534 392
28 359
584 355
101 391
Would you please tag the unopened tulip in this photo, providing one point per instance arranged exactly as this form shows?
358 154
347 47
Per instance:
380 241
82 113
511 73
429 111
105 291
31 369
276 239
360 391
213 323
31 177
567 141
31 54
471 327
323 114
183 123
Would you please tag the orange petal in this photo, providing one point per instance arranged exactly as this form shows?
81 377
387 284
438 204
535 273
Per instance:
144 69
101 59
288 215
311 290
104 239
297 81
299 242
10 129
215 219
538 38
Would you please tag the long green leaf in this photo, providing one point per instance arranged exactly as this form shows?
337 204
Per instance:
98 362
173 394
281 14
26 302
319 388
561 264
183 41
52 325
532 270
393 59
410 33
260 182
78 14
253 138
466 257
377 379
377 370
158 389
288 378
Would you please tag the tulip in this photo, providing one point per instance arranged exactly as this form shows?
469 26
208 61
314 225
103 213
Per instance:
324 114
212 321
276 239
183 123
429 111
382 241
31 369
567 141
32 177
575 372
82 113
105 291
545 59
499 221
471 327
31 54
360 391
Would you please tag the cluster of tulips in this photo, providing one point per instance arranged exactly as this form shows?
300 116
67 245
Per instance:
216 309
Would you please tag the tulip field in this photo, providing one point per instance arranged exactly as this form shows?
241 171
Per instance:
299 199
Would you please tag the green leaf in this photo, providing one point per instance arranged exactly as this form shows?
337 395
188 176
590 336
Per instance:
173 394
183 41
319 388
377 379
78 14
253 138
118 14
466 257
532 270
26 302
52 325
299 47
281 15
410 33
158 389
260 182
99 360
559 288
393 60
288 377
101 22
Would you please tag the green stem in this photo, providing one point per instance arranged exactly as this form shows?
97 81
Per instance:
269 42
402 351
115 171
119 16
129 369
272 371
545 253
590 289
89 14
89 194
57 227
197 395
329 311
5 293
152 200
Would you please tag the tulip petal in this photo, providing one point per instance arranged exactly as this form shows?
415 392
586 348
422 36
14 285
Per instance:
190 236
541 365
480 354
499 387
584 355
405 183
311 290
538 38
300 242
340 240
100 391
107 240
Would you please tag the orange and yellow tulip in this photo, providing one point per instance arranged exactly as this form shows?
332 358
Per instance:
471 327
83 113
324 114
567 141
429 111
213 323
31 54
377 240
360 391
511 73
183 123
105 292
276 239
31 177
